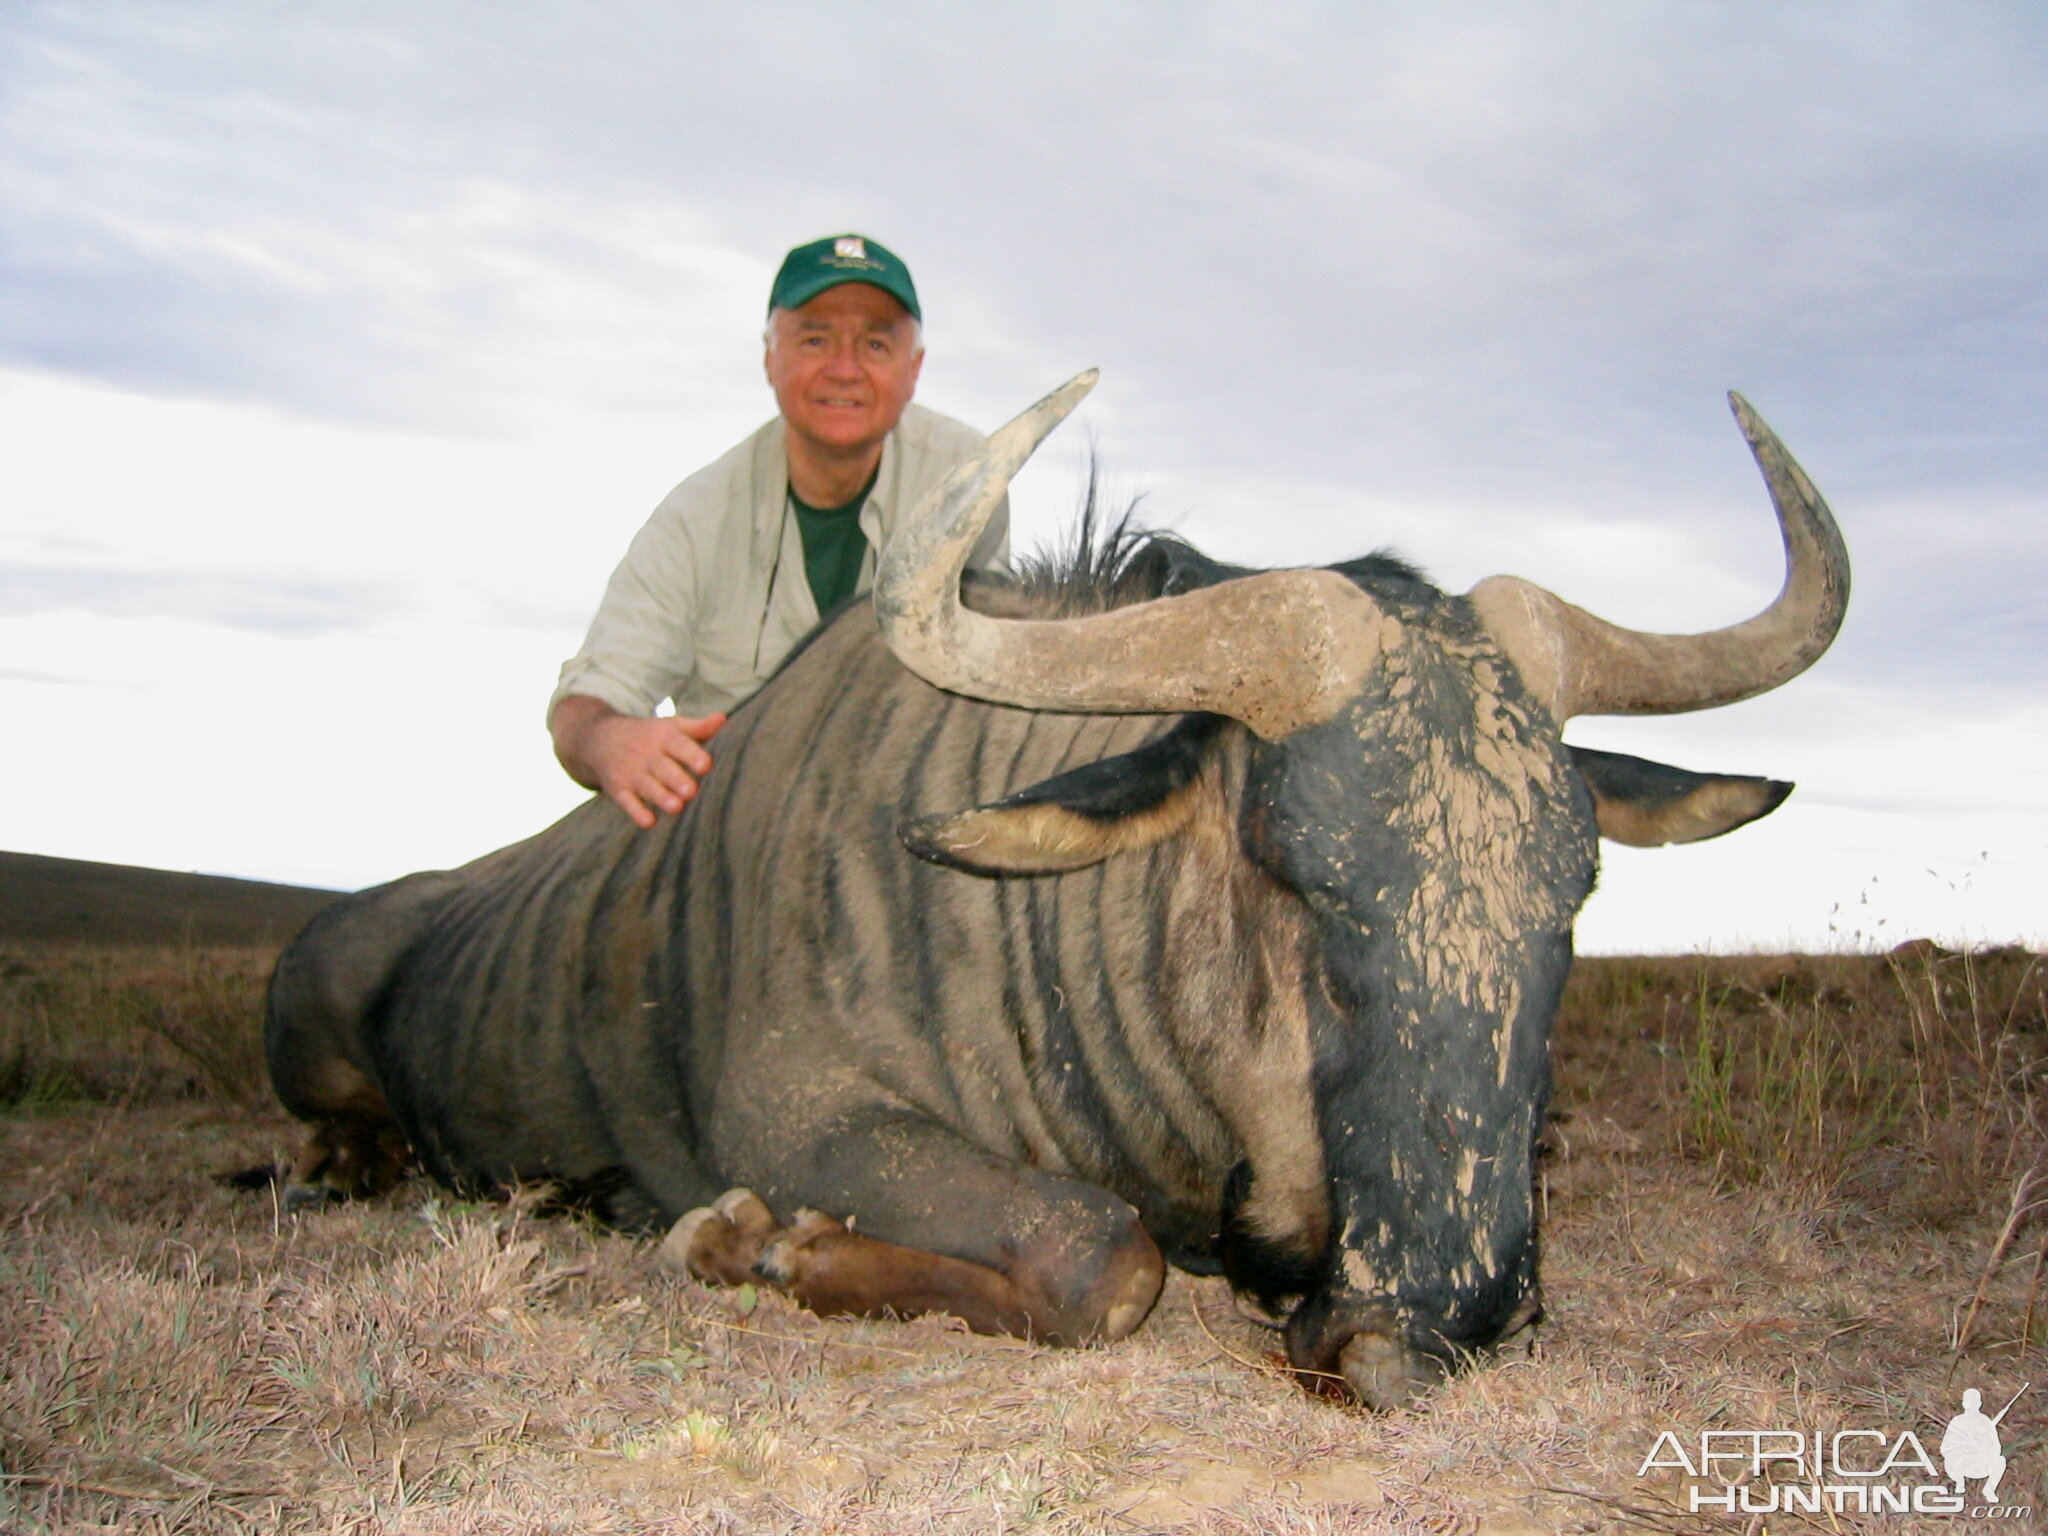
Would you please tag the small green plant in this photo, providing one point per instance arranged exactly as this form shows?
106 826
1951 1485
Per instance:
1710 1095
28 1086
1773 1088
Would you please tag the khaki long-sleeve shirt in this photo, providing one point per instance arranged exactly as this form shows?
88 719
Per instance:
712 594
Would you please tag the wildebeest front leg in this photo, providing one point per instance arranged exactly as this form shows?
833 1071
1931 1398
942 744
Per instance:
898 1216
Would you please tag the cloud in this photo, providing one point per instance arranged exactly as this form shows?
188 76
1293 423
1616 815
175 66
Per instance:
185 217
52 679
1459 248
1482 256
264 603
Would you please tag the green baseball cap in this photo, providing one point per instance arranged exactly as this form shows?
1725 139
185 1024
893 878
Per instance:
810 269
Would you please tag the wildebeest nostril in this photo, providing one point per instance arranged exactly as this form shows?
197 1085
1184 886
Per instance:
1384 1373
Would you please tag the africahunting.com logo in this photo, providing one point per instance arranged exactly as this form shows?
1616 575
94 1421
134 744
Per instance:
1848 1471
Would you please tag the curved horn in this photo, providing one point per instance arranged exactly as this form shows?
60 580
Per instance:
1583 665
1277 651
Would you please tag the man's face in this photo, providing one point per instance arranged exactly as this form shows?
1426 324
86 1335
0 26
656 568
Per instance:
843 366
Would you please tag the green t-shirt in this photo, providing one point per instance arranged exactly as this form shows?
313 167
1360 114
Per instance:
834 546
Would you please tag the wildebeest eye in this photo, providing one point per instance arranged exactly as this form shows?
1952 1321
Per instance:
1343 985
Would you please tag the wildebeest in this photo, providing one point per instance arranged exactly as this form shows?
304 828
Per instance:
1157 910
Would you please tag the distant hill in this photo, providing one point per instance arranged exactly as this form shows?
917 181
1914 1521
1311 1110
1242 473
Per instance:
72 901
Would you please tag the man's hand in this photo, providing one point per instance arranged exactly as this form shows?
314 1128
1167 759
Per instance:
644 765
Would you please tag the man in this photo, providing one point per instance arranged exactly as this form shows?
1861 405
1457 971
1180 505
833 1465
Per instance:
740 560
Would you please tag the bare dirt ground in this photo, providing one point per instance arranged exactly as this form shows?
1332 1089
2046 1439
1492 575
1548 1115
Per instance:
1782 1194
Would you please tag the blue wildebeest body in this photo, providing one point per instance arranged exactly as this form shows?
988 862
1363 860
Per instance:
1026 995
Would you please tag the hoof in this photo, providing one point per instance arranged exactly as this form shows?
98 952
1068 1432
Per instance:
302 1198
780 1260
351 1158
1384 1374
1522 1338
748 1213
1523 1341
719 1243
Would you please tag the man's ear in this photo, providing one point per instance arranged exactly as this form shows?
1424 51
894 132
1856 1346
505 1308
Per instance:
1079 817
1647 805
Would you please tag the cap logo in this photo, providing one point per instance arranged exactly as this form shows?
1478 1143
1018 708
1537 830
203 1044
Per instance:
851 248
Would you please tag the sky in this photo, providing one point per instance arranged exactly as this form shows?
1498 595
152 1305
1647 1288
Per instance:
343 346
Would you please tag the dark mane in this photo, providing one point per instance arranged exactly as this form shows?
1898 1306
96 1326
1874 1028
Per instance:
1110 560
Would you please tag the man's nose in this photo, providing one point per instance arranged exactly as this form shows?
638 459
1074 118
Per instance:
844 359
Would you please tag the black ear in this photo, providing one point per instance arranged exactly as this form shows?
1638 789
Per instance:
1079 817
1647 805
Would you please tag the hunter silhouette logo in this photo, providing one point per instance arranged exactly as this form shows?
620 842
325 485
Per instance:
1847 1471
1970 1448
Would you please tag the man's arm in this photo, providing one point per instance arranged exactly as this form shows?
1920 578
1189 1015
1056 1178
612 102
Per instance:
645 765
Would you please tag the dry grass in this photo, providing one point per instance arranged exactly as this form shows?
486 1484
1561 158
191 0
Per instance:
1781 1192
1915 1080
132 1026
